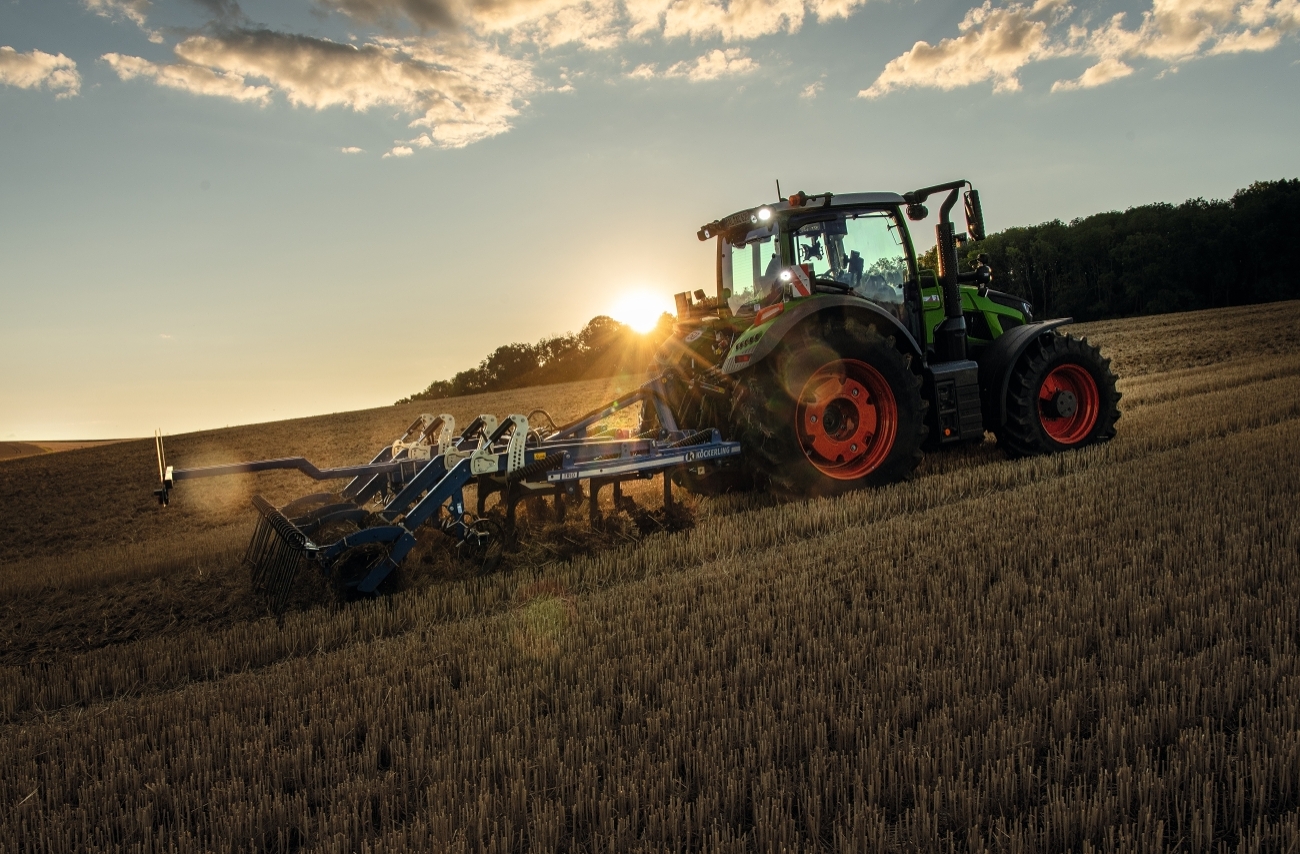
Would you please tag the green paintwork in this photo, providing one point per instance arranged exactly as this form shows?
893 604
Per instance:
748 340
932 304
971 303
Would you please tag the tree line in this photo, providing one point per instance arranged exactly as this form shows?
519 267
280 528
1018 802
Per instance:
1154 258
1150 259
604 348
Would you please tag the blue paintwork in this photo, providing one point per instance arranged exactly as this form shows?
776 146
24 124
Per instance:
427 490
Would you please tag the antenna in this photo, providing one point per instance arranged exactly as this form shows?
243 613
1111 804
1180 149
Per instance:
778 189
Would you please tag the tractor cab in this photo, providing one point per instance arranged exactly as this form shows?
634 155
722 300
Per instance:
849 244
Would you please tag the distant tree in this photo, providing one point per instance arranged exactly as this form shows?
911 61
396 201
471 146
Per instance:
603 348
1155 258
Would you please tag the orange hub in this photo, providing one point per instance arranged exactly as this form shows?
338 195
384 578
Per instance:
1068 404
848 419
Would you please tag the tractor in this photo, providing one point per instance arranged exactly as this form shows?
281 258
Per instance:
835 359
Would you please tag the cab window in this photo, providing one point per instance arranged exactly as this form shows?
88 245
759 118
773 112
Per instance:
750 269
862 250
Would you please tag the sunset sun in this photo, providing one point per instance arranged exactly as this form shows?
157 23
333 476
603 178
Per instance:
640 310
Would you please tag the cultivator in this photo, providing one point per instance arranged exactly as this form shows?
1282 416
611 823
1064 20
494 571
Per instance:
359 535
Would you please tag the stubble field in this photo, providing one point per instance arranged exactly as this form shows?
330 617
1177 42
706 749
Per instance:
1089 652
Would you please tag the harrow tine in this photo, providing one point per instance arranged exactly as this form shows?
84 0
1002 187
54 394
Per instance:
280 577
275 553
257 547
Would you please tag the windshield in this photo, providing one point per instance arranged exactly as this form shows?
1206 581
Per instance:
750 270
863 250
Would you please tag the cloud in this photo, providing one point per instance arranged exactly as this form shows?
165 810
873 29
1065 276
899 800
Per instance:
645 16
827 10
594 25
1175 31
400 151
995 43
130 10
1262 39
812 90
194 79
352 149
643 72
426 14
713 65
460 91
597 24
223 11
1096 75
549 23
36 69
735 21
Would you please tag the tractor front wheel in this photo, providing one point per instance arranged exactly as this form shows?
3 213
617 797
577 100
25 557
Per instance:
834 408
1061 395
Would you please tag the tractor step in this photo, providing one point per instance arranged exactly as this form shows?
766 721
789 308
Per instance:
955 400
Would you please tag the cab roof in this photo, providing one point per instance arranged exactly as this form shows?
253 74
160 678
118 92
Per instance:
749 216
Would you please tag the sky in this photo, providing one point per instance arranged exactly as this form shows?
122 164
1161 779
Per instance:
217 212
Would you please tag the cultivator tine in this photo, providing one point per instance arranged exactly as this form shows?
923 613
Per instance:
276 551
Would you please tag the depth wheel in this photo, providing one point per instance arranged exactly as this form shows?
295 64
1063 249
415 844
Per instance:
835 408
1061 396
483 546
352 566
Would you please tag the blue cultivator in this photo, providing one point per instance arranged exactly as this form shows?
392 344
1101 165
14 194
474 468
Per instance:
361 534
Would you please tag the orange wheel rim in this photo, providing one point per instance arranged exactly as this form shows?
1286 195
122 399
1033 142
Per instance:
847 419
1068 404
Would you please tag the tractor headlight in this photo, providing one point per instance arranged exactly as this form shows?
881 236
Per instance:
763 215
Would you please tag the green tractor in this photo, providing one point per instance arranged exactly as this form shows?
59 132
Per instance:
835 359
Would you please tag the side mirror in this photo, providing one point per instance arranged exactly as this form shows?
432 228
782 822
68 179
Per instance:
974 215
917 212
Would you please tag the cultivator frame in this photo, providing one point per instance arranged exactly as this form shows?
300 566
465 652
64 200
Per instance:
421 477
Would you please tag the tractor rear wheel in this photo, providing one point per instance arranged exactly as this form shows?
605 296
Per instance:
1061 395
835 408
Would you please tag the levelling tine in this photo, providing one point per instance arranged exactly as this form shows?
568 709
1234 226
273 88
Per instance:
275 553
283 571
257 545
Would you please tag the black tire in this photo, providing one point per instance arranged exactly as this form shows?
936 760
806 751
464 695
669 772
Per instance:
768 413
1061 396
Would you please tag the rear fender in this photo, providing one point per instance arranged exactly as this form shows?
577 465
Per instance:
754 345
999 359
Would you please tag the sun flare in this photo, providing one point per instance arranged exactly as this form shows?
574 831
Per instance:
640 309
